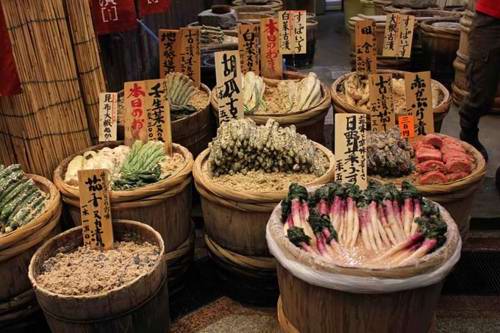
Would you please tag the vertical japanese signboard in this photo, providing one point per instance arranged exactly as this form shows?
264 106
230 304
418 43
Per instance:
248 45
108 108
366 47
158 112
169 46
135 114
189 53
419 101
350 149
382 116
229 81
270 56
407 126
292 31
95 208
398 36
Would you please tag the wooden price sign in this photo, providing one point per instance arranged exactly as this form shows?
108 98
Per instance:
382 116
95 208
366 47
398 35
270 56
419 101
189 53
108 108
248 45
135 115
407 126
350 149
158 112
169 47
292 31
229 82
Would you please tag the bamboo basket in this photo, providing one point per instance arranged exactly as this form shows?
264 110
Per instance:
165 206
272 5
456 197
341 106
305 307
309 122
235 224
17 300
139 305
440 40
47 121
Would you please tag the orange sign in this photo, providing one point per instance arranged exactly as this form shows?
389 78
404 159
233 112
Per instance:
407 126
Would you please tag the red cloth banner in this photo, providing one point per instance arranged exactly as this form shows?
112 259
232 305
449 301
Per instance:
9 79
148 7
113 16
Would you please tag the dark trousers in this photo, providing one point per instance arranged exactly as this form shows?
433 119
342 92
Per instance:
483 70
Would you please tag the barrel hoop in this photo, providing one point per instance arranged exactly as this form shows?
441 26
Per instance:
285 324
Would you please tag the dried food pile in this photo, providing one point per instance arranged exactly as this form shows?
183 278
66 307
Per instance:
380 227
356 92
20 199
130 168
285 97
245 155
86 271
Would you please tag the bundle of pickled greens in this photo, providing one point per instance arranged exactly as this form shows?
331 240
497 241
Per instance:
20 199
242 146
130 168
380 227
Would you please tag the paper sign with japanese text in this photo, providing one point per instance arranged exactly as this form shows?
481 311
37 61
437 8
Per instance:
292 31
407 126
95 208
135 116
189 53
350 149
271 59
382 117
248 45
398 36
158 111
108 108
366 47
229 81
169 57
418 92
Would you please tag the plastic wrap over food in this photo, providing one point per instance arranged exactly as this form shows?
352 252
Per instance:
351 283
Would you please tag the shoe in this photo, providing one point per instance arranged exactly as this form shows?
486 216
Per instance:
471 137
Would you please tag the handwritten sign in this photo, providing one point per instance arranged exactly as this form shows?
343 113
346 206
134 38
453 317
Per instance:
189 53
366 47
398 36
248 45
95 208
158 111
407 126
382 116
135 115
292 31
350 149
108 108
169 46
270 56
229 82
419 101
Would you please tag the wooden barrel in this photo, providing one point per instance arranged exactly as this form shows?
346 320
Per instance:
351 8
367 7
165 206
305 60
139 306
341 106
440 40
461 85
235 225
272 5
309 122
425 13
350 299
379 6
17 300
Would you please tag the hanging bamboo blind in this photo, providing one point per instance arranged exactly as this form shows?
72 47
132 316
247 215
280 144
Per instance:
47 121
